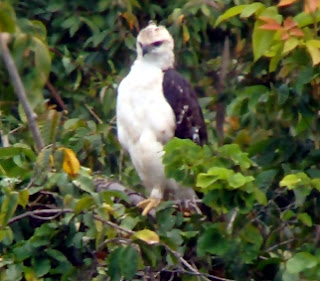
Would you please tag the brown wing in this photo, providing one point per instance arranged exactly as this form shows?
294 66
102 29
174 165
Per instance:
183 100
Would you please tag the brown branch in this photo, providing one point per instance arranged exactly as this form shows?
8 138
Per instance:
184 262
56 95
20 91
214 277
220 115
56 212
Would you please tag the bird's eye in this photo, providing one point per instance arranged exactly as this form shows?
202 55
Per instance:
157 43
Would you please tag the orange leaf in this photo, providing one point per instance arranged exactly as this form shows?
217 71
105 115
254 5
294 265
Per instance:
311 5
267 19
271 26
289 23
285 36
286 2
296 32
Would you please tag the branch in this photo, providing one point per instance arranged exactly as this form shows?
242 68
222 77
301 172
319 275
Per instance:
19 90
56 95
57 212
184 262
220 115
214 277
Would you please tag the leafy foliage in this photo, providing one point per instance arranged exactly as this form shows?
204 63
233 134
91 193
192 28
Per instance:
260 188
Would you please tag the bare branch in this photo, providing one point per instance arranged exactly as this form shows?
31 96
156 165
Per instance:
220 115
56 95
184 262
19 90
55 212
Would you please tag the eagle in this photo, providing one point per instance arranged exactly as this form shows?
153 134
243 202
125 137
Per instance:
154 104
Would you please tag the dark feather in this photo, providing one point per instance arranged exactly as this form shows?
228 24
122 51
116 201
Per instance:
183 100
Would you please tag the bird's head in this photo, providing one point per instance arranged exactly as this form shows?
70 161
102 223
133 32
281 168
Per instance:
155 46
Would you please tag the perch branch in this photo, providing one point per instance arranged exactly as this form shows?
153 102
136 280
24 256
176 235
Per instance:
19 90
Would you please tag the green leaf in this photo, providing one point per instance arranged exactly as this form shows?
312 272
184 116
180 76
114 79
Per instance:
315 183
6 236
230 13
287 215
57 255
83 204
8 207
300 262
305 219
233 152
23 198
14 272
84 183
7 18
129 262
9 152
261 40
260 196
212 241
109 194
237 180
42 60
313 49
23 252
291 181
251 9
41 267
114 262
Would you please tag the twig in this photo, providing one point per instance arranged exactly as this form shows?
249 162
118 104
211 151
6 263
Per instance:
56 95
214 277
220 115
184 262
94 114
279 244
20 91
232 219
56 212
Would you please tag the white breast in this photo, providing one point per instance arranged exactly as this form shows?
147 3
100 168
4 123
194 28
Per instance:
142 107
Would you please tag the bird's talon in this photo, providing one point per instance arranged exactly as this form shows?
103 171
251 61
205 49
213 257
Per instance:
148 204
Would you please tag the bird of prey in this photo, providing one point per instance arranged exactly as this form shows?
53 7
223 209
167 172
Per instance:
154 104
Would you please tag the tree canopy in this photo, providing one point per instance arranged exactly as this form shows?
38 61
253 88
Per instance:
67 191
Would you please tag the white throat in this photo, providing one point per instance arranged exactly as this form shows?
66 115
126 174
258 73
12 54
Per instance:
163 61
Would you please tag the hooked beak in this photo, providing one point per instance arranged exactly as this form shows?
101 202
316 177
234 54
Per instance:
145 49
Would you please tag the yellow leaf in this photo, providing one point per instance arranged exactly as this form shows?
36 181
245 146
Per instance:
71 164
313 49
186 34
290 44
148 236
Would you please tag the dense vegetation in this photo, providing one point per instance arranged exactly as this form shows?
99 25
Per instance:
255 66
